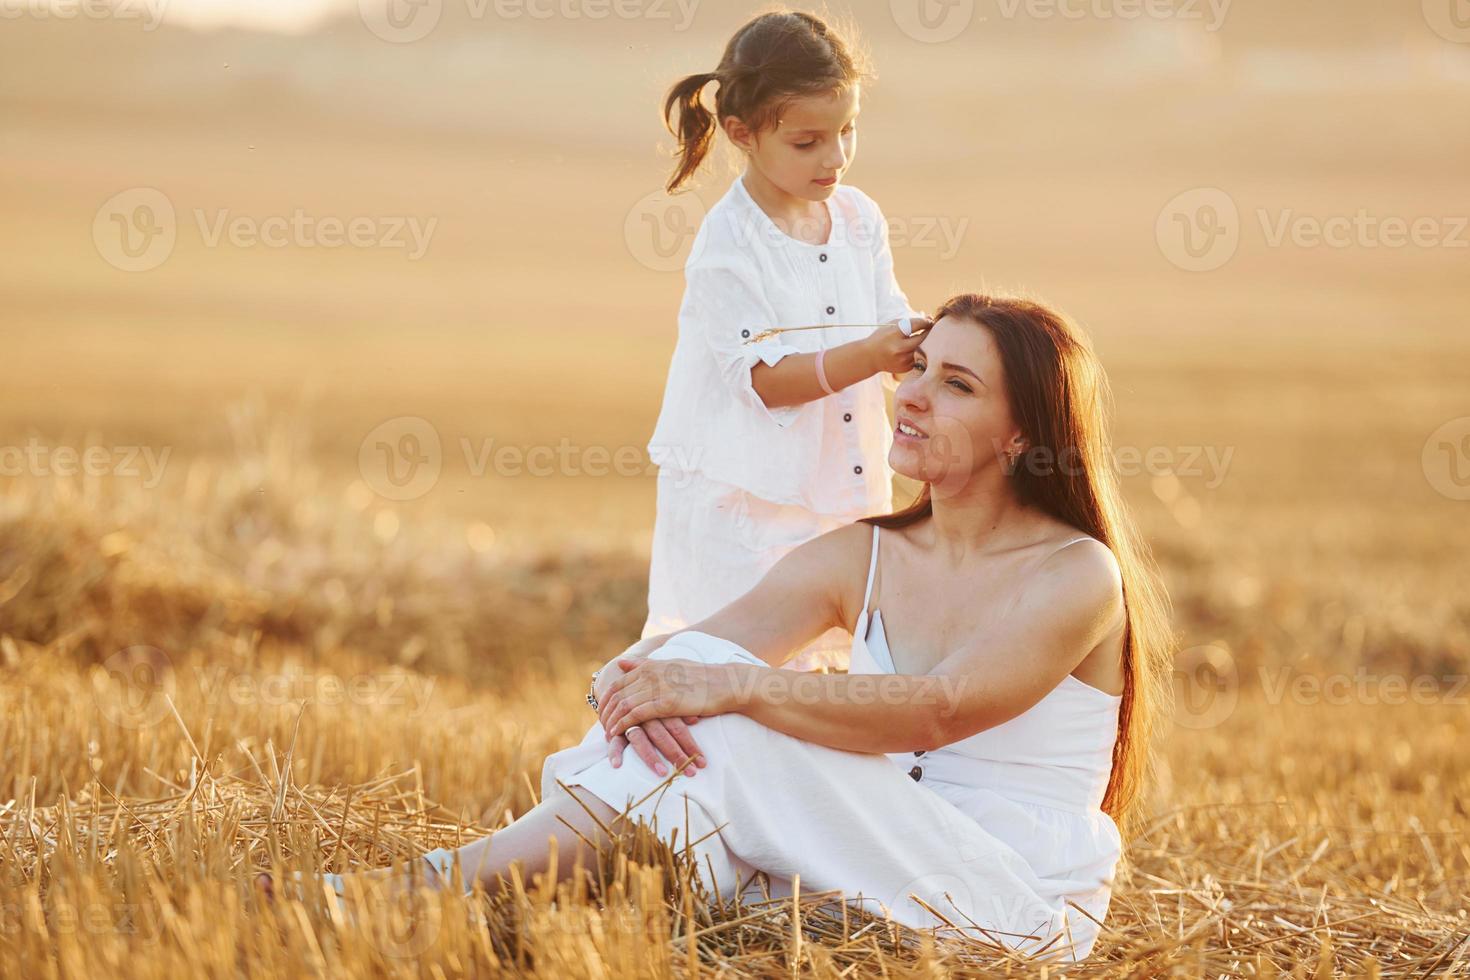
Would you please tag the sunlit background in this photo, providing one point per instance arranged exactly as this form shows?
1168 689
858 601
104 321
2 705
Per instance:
360 315
1043 147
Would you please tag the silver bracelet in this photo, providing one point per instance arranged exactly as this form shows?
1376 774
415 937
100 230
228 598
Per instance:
592 688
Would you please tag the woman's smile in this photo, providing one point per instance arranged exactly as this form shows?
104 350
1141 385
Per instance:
907 431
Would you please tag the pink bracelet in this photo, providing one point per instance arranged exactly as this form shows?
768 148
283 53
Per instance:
822 375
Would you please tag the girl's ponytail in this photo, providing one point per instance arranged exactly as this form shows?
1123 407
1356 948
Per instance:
696 126
776 57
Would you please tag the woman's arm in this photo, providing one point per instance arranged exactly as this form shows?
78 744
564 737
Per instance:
1074 602
803 595
856 712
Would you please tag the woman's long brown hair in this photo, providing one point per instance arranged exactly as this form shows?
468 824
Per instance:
1059 397
775 58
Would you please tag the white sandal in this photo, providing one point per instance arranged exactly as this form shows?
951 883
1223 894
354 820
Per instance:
440 862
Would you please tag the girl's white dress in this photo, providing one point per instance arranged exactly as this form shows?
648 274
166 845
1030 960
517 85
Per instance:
740 484
1000 832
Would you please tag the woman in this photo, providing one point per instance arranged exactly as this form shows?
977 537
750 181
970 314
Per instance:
983 765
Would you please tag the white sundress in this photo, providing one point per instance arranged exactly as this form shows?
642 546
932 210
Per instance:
999 831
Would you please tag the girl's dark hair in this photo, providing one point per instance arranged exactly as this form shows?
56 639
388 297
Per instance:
1058 397
774 59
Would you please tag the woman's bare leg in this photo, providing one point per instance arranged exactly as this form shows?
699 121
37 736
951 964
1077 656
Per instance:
527 840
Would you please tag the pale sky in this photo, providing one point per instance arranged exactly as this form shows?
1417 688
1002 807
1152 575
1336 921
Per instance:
291 16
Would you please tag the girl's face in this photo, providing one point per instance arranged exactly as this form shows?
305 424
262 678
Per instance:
814 141
955 397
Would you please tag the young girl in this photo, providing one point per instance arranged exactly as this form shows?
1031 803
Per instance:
764 445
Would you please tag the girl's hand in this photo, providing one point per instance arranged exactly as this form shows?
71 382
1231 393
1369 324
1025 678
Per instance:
889 350
658 689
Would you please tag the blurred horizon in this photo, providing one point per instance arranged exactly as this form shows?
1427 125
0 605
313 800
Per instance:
336 332
510 164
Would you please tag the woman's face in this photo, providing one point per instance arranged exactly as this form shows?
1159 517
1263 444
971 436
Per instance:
815 140
956 398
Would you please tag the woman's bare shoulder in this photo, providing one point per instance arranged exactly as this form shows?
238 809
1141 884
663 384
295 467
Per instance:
837 549
840 557
1083 567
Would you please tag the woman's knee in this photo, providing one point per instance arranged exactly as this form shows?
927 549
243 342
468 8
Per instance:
705 648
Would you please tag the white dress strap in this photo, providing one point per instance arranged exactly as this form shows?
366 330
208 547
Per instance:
872 566
1068 544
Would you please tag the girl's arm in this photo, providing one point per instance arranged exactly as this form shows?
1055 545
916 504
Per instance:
793 379
724 306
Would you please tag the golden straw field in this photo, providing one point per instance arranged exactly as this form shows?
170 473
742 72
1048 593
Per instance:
234 638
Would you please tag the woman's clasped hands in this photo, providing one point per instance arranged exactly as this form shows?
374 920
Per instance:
650 706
